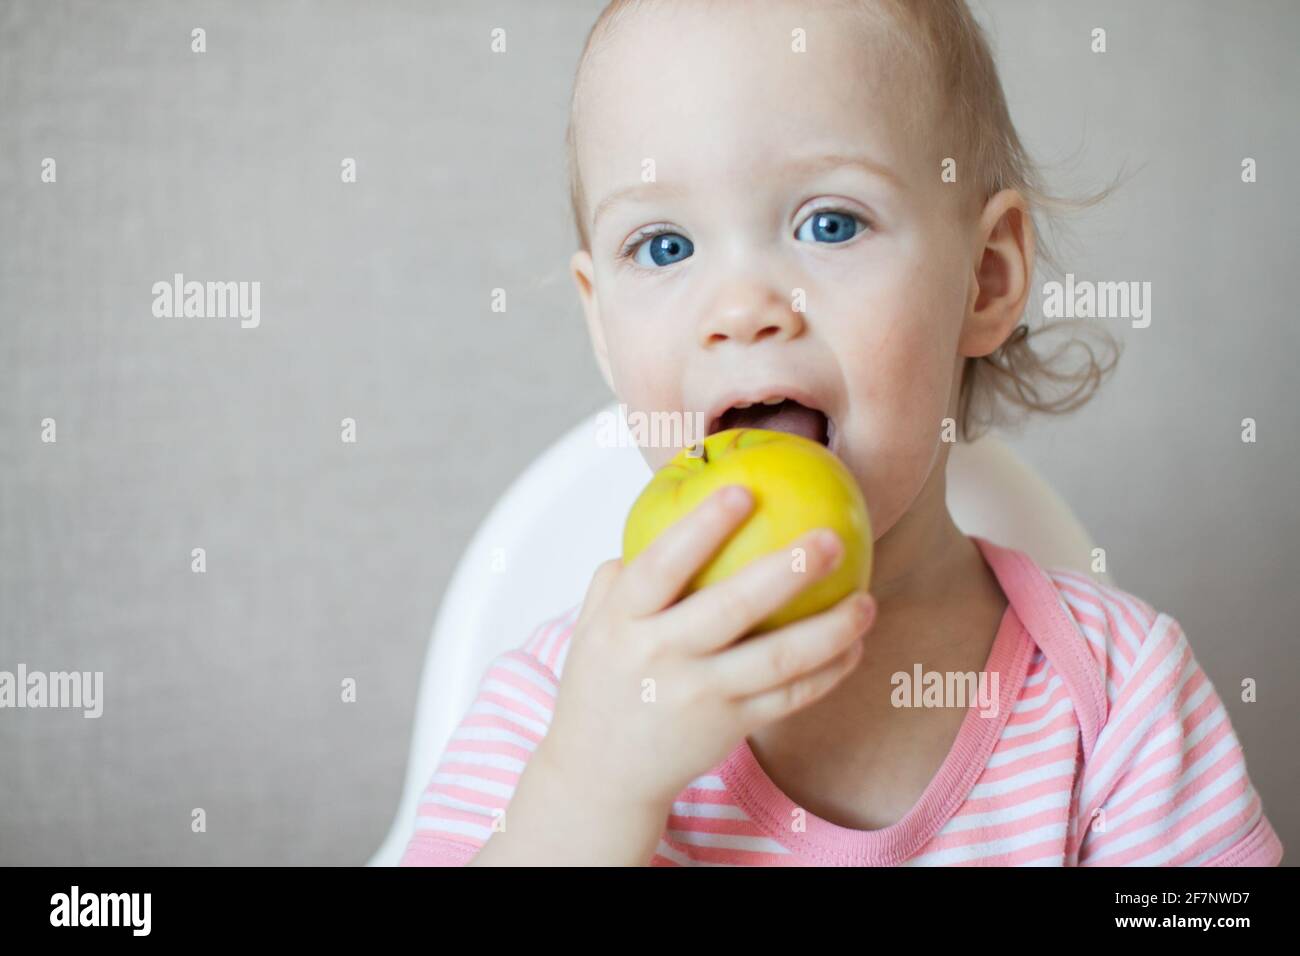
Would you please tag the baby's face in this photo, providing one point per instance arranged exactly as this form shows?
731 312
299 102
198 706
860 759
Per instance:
775 171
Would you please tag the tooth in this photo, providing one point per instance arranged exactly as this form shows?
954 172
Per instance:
742 404
775 400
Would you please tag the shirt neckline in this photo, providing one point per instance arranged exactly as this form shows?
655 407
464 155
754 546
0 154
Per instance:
828 843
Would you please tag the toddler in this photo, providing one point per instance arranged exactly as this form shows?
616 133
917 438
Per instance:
817 217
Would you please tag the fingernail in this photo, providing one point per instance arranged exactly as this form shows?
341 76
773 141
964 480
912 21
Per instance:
735 496
828 542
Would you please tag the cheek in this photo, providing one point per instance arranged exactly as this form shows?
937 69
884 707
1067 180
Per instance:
635 341
646 351
898 407
898 360
647 376
900 379
906 384
647 379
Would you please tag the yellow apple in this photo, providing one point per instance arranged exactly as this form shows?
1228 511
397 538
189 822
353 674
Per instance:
798 485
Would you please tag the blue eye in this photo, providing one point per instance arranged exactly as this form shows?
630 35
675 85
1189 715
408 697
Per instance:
663 248
828 226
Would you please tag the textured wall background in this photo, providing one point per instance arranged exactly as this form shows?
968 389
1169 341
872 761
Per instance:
326 560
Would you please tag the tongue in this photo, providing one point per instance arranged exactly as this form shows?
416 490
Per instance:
789 416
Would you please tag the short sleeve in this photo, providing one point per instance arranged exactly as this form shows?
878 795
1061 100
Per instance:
483 761
1166 784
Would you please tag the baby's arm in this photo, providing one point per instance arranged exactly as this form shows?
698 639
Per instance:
495 759
1167 784
552 825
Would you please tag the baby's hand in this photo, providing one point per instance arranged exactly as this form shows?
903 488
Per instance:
657 691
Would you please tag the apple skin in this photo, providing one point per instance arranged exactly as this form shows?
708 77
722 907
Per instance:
798 485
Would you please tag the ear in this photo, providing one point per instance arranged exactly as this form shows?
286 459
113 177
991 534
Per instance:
584 277
1003 270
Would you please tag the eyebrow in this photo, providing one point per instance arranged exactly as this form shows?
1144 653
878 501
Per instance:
805 167
822 163
640 190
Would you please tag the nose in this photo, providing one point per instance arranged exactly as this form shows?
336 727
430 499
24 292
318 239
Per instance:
746 311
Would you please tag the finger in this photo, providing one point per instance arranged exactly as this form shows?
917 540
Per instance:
772 705
602 580
773 660
656 576
718 615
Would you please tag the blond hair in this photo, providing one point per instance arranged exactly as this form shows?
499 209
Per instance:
966 102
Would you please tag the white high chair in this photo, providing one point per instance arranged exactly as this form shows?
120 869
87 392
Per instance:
534 554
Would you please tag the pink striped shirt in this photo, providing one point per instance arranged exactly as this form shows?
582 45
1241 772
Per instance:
1109 747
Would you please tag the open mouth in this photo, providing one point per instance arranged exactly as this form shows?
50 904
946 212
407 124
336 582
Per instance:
778 414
